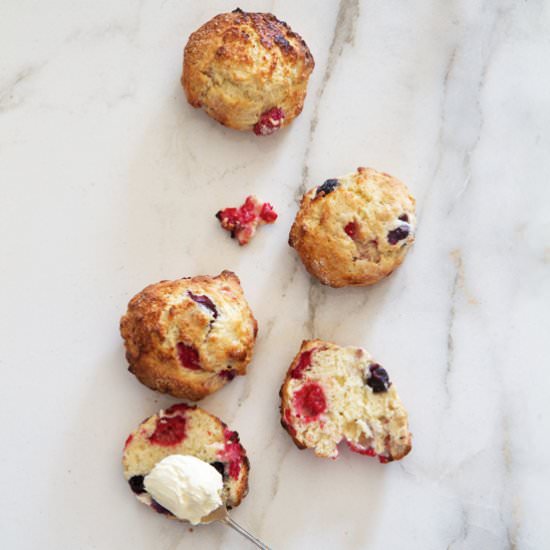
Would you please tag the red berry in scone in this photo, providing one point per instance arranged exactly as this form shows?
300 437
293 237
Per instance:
333 394
269 122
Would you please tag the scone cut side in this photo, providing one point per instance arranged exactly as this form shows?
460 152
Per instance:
186 430
333 394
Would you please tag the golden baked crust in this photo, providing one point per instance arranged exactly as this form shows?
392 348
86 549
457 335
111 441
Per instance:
191 336
354 230
240 65
332 394
191 431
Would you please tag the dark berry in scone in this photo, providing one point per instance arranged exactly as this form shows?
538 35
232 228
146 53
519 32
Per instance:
333 394
191 336
248 71
354 230
185 430
243 221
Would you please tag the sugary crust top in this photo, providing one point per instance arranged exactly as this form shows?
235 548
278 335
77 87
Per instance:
354 233
206 317
239 65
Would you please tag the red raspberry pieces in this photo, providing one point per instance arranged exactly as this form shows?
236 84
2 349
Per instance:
232 453
267 213
303 363
287 422
242 222
361 450
188 356
351 229
269 122
169 431
310 401
368 452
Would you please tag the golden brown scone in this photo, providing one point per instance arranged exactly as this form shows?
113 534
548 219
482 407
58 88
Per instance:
248 71
191 336
333 394
186 430
354 230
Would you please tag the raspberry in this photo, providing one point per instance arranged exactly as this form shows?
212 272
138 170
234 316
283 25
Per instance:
269 122
310 401
351 229
247 212
169 431
303 363
287 422
232 453
242 222
361 450
267 213
188 356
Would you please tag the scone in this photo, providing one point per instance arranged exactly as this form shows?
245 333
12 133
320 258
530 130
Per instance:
248 71
182 429
333 394
189 337
354 230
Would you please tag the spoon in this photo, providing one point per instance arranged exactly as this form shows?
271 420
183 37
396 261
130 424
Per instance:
222 515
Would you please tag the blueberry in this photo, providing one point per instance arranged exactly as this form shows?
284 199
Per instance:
228 374
398 234
158 508
378 378
404 218
328 187
219 466
204 301
136 484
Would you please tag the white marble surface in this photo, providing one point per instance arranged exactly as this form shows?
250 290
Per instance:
109 181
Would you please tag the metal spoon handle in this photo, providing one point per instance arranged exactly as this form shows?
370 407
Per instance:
234 525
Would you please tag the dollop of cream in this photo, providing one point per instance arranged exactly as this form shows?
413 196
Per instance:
186 486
